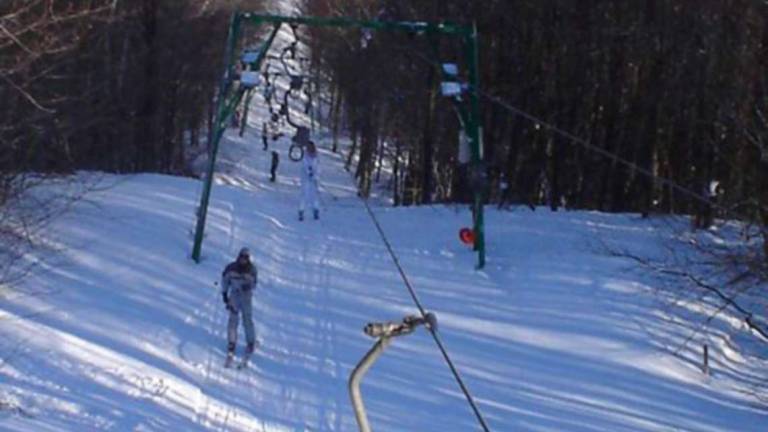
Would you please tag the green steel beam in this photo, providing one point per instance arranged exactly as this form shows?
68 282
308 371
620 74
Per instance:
229 98
473 126
213 137
257 66
444 28
246 108
266 45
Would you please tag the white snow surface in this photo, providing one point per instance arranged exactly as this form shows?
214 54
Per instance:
119 330
123 331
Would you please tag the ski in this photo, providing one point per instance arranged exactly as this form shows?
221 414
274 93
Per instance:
229 361
244 362
247 356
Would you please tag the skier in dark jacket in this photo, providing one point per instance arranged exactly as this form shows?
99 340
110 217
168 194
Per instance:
237 283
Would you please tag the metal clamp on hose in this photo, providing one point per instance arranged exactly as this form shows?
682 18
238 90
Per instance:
384 332
392 329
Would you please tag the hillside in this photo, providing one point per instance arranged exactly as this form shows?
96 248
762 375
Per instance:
120 330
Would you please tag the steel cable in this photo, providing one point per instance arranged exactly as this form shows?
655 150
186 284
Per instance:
423 313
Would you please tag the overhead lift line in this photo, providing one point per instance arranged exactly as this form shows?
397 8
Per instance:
589 146
605 153
423 313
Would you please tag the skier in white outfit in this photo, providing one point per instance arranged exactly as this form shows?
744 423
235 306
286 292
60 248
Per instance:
309 185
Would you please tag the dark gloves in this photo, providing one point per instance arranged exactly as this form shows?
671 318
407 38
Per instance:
225 297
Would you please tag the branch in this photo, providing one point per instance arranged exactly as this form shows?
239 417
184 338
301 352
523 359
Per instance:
15 39
27 96
728 301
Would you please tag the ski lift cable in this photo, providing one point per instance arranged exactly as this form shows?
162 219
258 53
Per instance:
296 79
423 313
609 155
286 108
596 149
728 301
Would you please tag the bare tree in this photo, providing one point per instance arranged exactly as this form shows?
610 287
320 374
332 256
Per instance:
103 85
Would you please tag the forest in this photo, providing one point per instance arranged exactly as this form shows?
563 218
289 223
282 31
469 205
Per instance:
650 107
677 90
657 109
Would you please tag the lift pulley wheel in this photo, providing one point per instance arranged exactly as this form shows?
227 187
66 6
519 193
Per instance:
296 152
467 236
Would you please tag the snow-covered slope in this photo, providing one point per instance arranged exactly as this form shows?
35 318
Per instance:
122 331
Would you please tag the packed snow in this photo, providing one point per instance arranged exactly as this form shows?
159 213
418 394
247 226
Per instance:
120 330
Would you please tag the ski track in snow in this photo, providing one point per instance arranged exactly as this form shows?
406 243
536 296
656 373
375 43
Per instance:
550 336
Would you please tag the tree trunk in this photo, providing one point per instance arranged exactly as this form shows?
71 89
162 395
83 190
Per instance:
396 174
335 118
353 149
145 117
427 135
379 160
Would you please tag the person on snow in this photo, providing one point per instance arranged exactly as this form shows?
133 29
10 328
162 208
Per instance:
309 174
237 283
273 166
